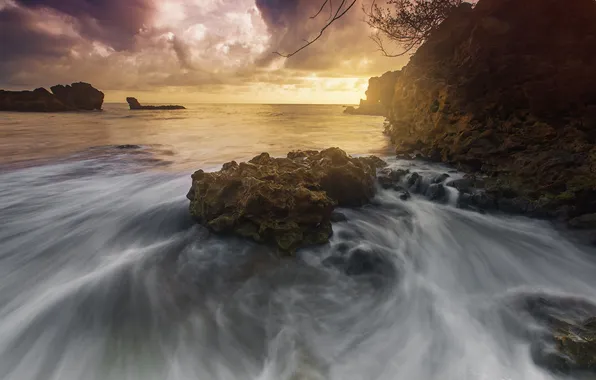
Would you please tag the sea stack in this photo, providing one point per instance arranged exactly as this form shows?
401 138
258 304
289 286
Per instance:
134 104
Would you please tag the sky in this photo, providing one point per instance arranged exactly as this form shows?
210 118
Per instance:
189 51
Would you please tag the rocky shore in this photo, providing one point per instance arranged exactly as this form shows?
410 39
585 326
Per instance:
76 97
510 98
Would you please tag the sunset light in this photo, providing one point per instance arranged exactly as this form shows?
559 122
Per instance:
196 51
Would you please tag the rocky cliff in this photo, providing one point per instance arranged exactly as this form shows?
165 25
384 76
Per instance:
379 96
78 96
507 89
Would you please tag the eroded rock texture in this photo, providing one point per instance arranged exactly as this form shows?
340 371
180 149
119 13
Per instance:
507 89
285 201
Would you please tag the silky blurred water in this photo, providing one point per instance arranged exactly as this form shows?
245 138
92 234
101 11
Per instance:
103 275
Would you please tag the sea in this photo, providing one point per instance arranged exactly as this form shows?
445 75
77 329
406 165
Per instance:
104 275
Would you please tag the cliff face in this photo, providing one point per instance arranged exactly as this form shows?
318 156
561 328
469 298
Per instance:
379 95
78 96
508 89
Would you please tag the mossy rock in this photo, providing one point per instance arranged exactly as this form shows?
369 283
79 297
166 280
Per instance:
288 201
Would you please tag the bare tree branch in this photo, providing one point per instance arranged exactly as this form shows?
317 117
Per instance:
339 13
409 23
320 10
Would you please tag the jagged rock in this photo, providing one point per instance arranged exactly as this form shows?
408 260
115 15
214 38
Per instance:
78 96
390 178
285 201
134 104
498 91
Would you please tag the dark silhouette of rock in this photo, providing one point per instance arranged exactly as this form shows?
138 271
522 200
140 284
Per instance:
379 96
134 104
78 96
285 201
507 89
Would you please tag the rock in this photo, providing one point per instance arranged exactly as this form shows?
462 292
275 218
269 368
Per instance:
502 93
284 201
436 192
587 221
78 96
517 205
478 200
390 178
338 217
463 185
364 262
405 195
440 178
576 346
378 96
134 104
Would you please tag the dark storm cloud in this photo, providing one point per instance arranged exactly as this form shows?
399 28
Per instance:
20 40
18 37
114 22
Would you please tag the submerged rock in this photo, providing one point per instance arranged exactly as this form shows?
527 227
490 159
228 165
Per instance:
78 96
285 201
134 104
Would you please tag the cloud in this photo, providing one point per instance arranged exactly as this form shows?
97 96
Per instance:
114 22
201 45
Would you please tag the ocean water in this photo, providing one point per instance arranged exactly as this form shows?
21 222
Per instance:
103 275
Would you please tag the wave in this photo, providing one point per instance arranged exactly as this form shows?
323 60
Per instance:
105 276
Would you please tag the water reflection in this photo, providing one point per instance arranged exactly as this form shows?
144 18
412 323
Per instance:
204 135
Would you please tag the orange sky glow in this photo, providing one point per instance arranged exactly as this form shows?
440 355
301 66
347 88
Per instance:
189 51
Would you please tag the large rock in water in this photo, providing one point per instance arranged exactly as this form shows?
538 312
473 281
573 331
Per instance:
134 104
38 100
78 96
284 201
508 89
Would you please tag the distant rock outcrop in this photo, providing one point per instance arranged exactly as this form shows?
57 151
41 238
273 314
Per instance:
78 96
507 90
284 201
134 104
379 96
